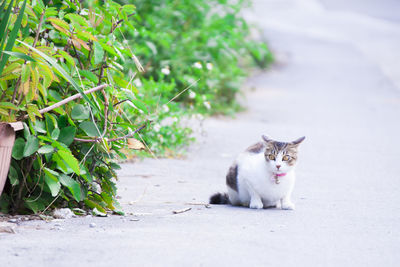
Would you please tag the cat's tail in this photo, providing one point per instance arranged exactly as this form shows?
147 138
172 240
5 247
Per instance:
219 198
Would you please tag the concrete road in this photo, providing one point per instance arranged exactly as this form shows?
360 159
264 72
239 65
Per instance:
337 82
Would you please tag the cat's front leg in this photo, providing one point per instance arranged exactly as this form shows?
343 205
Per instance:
287 204
255 200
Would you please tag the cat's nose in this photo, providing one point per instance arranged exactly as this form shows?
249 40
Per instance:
278 166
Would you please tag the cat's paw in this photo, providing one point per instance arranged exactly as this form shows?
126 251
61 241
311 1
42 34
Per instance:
256 204
288 206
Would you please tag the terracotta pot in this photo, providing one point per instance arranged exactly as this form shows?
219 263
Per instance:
7 138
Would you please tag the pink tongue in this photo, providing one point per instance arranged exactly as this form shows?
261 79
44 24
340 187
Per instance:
280 174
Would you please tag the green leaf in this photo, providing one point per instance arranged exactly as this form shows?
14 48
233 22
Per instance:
64 27
70 160
53 184
55 134
55 95
85 36
62 121
13 176
35 206
25 73
89 75
109 49
97 212
80 112
60 164
89 128
52 181
53 174
67 57
51 11
27 133
94 205
77 19
98 53
51 123
67 135
139 105
46 149
32 145
72 185
8 105
4 16
12 68
128 9
33 111
19 55
40 127
13 34
86 174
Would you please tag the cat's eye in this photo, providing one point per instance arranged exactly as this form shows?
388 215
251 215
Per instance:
286 158
271 157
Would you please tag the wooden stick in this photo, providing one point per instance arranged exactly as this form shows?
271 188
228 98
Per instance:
69 99
181 211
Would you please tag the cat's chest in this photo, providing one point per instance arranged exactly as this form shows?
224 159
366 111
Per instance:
263 180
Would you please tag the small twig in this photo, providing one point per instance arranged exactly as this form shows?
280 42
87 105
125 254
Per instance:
105 66
206 205
172 99
119 22
54 200
99 139
90 53
181 211
120 102
102 68
78 56
15 89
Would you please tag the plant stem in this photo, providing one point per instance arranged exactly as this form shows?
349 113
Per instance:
77 56
19 197
105 112
38 29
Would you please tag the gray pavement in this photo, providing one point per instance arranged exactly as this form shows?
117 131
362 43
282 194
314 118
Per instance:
336 82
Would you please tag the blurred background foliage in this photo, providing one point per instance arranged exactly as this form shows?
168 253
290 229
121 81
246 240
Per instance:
160 61
200 48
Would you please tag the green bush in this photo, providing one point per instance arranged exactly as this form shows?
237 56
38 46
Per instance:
65 157
202 44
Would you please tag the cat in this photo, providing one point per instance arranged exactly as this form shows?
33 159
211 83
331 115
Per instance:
263 176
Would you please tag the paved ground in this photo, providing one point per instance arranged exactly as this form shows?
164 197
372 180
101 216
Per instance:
338 83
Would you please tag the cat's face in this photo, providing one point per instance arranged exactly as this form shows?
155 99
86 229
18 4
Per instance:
281 157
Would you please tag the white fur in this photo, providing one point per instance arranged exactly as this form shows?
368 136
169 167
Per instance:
257 188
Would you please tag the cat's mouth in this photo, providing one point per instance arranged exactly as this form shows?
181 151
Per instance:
280 174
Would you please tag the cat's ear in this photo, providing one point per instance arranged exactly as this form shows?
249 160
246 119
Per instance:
298 141
266 138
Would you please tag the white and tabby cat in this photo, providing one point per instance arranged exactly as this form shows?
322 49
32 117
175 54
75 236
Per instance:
262 176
